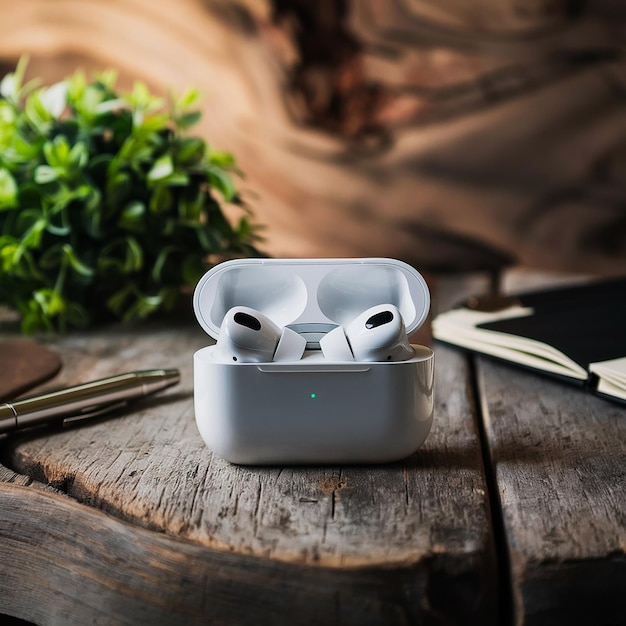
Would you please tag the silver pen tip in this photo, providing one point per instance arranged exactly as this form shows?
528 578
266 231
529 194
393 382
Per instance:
157 380
172 376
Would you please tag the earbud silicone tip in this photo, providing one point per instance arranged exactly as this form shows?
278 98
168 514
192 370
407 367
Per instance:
290 347
335 346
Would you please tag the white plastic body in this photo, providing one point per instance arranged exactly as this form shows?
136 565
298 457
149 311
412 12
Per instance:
313 410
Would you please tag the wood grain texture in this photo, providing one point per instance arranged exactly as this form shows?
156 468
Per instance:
401 543
559 457
82 567
453 135
507 17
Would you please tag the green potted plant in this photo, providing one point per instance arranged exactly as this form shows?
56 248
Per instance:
108 207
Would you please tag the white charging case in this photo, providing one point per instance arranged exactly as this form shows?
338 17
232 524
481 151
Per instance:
312 410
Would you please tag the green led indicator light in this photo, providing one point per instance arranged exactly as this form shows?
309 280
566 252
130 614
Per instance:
313 396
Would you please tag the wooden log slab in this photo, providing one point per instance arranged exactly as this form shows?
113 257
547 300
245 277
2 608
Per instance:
558 458
83 565
454 135
150 527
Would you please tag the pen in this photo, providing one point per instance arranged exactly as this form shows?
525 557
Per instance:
85 400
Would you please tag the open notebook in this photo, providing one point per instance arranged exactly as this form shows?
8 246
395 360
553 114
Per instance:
576 333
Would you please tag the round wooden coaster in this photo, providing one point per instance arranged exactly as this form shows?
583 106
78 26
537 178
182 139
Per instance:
24 364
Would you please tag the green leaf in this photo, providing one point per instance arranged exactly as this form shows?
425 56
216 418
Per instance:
36 113
79 155
140 96
76 85
9 253
190 209
86 98
132 217
8 190
57 152
107 78
76 264
192 270
117 302
161 200
7 117
222 159
153 125
34 318
187 120
106 106
92 219
221 180
162 168
34 224
123 254
16 260
175 179
187 99
22 150
51 302
144 306
134 149
11 86
45 174
161 261
191 151
54 99
119 186
130 303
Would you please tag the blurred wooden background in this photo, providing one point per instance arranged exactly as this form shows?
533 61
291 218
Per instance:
453 134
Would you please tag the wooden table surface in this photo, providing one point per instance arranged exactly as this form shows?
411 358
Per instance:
513 511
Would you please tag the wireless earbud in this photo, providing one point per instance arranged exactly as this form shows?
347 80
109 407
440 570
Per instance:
247 336
377 334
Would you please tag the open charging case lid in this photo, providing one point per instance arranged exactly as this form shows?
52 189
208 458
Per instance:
308 294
